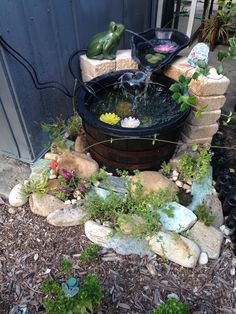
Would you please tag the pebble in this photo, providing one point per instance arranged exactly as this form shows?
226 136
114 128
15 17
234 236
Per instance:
227 241
232 271
52 176
107 224
73 201
68 202
186 187
36 256
173 296
179 184
175 173
231 170
234 261
226 231
11 211
189 182
175 178
203 258
97 183
214 192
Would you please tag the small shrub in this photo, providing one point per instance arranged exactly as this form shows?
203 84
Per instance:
172 306
66 266
90 254
56 131
73 125
165 168
87 299
195 167
37 185
202 215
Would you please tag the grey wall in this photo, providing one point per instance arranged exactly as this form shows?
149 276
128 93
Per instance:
46 32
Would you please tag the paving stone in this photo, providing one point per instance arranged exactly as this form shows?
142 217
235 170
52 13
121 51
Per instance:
190 141
213 102
206 118
199 131
208 238
94 68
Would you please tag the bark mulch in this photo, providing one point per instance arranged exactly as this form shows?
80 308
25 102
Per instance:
31 251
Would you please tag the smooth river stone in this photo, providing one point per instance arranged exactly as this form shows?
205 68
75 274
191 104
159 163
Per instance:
175 248
97 233
17 197
182 219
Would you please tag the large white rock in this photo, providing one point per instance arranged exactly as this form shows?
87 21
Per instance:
97 233
17 197
68 216
181 220
208 238
175 248
44 204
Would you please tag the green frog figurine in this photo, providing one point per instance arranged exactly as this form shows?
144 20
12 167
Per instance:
104 45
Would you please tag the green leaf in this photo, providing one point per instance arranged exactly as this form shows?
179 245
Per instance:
195 75
194 147
183 107
222 55
188 80
192 100
203 107
232 42
202 64
174 88
176 97
182 79
197 114
220 68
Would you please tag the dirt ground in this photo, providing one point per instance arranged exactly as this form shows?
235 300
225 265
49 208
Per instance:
31 251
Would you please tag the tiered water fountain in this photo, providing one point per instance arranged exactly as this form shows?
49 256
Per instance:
142 110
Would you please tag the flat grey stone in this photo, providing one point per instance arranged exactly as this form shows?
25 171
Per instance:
182 219
200 190
214 208
115 184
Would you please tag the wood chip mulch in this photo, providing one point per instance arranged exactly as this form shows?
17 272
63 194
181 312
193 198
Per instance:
31 251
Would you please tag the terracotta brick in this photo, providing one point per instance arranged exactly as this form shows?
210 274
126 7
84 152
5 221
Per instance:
206 118
213 102
124 60
190 141
212 85
200 131
94 68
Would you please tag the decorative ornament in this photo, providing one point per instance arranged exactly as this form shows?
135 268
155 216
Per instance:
109 118
70 287
130 122
199 52
164 48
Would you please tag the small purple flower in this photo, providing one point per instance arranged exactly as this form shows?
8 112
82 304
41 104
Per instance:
82 188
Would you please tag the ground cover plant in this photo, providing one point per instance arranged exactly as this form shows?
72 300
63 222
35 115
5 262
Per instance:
172 306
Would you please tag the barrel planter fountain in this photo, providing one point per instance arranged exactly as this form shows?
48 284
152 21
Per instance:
124 148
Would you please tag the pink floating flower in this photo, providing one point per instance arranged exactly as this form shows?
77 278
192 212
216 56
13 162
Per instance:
164 48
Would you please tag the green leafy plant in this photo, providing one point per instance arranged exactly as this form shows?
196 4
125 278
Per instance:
66 266
55 131
36 185
88 298
172 306
202 215
195 166
73 125
165 168
90 254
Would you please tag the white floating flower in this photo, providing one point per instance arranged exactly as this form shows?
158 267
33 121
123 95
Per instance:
130 122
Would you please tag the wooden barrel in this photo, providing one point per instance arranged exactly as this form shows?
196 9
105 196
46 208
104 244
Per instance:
128 149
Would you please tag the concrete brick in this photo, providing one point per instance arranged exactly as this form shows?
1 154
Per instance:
212 85
86 77
213 102
94 68
206 118
200 131
190 141
124 60
179 67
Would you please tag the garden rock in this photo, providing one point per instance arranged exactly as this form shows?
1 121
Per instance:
85 165
39 167
132 224
97 233
53 185
17 196
203 258
152 181
68 216
200 189
126 245
181 220
51 156
80 143
208 238
214 208
175 248
44 204
115 184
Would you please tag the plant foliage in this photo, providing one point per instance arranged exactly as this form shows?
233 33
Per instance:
90 254
172 306
202 215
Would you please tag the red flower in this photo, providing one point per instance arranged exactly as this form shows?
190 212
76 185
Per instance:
53 164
